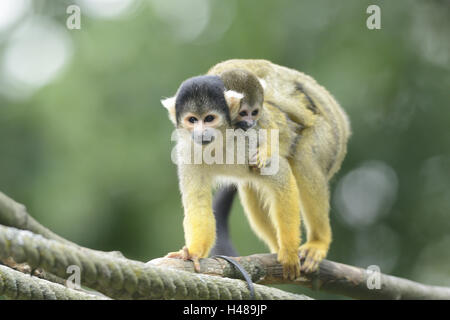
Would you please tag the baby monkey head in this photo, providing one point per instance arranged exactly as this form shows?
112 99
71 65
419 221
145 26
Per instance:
202 106
252 88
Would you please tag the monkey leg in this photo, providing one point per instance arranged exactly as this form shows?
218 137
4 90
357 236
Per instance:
285 215
314 197
199 223
258 218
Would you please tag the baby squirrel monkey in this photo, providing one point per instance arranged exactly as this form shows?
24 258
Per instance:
250 113
252 89
272 203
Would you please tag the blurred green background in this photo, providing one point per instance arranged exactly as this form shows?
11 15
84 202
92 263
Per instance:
85 143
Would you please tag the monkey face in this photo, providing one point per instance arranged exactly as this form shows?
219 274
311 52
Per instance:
203 106
203 127
247 116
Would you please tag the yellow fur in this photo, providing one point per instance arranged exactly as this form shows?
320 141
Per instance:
313 136
320 150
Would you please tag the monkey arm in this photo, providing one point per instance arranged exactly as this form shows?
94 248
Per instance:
199 223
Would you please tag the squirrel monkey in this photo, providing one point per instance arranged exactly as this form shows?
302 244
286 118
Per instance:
242 81
202 107
272 203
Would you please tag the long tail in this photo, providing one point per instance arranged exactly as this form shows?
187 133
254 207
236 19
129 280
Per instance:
223 199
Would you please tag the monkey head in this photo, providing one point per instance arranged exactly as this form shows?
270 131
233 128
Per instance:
252 89
202 106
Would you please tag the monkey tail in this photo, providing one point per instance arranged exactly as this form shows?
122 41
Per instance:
223 199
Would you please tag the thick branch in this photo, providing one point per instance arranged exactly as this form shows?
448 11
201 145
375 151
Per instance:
332 277
118 277
25 268
110 272
122 278
17 285
14 214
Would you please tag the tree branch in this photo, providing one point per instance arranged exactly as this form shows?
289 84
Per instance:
110 272
14 214
332 277
121 278
17 285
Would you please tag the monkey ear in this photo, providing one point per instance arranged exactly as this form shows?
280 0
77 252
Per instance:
233 99
169 104
263 83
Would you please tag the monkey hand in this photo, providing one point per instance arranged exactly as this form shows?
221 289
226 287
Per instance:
185 255
290 262
312 253
261 158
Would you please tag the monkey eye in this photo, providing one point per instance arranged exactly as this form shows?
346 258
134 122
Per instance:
209 118
192 119
243 113
254 113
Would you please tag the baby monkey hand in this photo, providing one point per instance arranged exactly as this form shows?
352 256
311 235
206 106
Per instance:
261 158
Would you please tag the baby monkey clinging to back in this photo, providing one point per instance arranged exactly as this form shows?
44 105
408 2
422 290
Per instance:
244 82
252 113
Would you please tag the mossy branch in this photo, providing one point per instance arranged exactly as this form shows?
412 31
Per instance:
121 278
17 285
331 277
112 274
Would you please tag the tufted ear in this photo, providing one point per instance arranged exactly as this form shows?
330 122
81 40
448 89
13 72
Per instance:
263 83
169 104
233 99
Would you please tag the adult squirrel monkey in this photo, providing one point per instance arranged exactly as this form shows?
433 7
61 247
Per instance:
202 108
272 202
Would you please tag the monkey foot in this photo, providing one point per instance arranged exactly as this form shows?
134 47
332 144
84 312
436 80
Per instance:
313 254
185 255
290 263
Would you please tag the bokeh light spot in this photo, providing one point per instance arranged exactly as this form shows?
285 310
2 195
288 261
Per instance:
366 193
